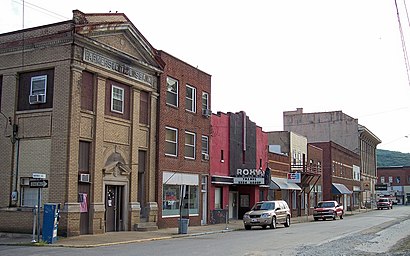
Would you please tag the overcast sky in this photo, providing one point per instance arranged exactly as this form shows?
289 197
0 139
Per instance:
270 56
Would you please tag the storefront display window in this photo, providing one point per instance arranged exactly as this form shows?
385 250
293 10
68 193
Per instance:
172 196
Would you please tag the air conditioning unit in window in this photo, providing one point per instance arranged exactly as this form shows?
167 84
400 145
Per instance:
84 177
205 156
37 98
206 112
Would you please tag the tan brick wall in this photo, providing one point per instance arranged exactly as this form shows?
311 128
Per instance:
50 137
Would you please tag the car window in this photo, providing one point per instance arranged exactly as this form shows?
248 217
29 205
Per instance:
264 206
326 204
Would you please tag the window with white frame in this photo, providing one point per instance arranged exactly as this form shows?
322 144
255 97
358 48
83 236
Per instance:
38 85
205 147
171 141
190 98
190 145
382 180
205 101
117 99
172 92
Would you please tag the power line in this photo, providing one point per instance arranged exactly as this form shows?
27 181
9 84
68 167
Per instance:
41 9
403 42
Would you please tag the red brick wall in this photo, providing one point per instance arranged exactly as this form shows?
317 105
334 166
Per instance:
184 121
400 171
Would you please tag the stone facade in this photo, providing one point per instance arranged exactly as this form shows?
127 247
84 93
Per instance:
48 138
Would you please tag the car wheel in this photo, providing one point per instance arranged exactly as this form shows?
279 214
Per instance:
334 216
273 223
287 222
316 219
247 227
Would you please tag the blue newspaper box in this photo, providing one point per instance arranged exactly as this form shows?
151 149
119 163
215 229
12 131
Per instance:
51 217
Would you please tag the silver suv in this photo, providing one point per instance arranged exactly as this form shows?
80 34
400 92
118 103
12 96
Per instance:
267 213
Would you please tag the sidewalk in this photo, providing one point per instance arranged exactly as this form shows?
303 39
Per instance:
126 237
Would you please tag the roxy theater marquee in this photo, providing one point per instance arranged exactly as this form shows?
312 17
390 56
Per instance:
249 177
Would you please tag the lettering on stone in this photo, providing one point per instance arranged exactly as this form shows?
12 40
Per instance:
105 62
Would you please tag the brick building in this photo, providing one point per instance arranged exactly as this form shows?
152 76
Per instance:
82 98
394 182
239 158
303 160
184 129
345 131
341 174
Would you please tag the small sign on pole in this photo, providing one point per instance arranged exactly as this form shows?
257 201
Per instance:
294 177
38 176
38 183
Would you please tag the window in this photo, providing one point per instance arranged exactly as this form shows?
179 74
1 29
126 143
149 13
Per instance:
398 180
38 85
190 99
205 101
382 180
144 107
190 145
172 198
218 198
205 146
84 157
390 179
117 99
171 141
172 92
87 91
29 196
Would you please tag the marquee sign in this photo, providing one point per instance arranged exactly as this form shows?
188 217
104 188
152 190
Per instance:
249 177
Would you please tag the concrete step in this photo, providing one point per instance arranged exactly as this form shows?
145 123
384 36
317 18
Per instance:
146 226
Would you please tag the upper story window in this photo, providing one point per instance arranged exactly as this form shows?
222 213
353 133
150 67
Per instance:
190 99
206 111
117 99
205 147
35 90
172 92
144 107
171 141
190 145
382 180
38 89
205 100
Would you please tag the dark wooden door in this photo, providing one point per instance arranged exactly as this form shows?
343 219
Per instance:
113 208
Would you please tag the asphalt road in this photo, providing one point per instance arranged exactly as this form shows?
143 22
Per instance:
372 233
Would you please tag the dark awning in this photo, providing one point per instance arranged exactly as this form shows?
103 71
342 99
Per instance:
282 183
340 189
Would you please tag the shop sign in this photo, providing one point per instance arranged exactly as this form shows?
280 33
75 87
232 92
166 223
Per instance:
294 177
